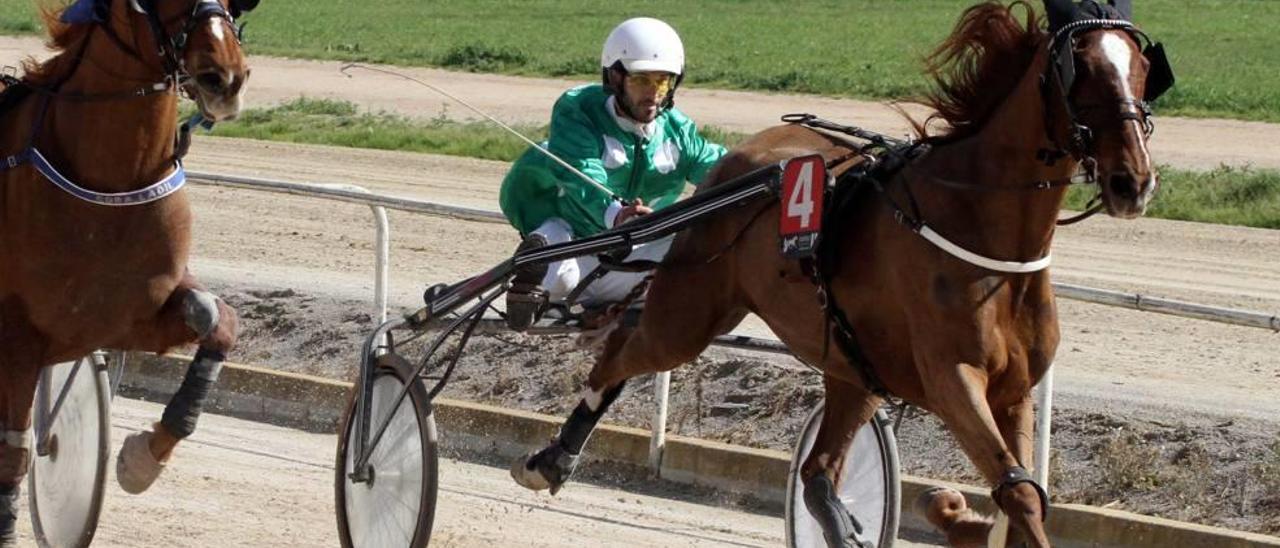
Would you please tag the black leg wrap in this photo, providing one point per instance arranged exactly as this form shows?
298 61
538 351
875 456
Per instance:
8 515
184 409
577 429
839 527
1014 476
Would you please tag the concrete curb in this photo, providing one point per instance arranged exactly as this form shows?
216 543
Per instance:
318 404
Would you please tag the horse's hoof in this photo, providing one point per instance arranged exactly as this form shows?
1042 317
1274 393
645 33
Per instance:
839 527
548 468
9 516
136 467
941 506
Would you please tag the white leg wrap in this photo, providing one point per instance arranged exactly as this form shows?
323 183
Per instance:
16 438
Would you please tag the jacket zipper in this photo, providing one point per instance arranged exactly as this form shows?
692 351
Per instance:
635 167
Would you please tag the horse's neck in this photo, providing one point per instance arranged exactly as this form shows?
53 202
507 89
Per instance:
116 144
1019 223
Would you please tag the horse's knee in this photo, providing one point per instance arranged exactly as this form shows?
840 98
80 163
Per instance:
212 319
184 409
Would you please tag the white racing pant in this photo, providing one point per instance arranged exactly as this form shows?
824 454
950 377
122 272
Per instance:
563 276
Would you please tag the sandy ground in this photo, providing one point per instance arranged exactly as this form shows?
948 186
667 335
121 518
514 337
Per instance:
206 499
1189 143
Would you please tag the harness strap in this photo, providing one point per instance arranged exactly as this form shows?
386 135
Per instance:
596 273
847 340
1015 475
608 263
160 189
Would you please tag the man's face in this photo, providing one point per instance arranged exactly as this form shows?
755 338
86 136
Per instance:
644 93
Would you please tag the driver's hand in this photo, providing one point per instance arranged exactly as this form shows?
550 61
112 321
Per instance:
631 211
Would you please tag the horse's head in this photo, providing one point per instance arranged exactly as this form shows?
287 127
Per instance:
1102 80
199 43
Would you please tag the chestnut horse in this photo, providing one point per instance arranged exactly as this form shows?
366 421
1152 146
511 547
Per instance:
963 328
93 251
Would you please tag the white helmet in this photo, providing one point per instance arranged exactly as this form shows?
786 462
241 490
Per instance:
644 44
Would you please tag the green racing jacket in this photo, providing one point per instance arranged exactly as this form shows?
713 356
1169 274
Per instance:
586 135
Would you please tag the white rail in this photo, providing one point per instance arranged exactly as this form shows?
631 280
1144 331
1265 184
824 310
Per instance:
380 203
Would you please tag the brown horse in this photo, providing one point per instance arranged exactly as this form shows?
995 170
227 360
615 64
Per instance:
92 253
959 335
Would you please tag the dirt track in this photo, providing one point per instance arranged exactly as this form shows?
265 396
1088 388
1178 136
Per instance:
206 499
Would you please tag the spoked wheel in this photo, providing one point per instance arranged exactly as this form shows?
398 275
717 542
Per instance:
869 488
69 471
396 506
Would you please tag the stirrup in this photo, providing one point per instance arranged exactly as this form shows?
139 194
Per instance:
525 304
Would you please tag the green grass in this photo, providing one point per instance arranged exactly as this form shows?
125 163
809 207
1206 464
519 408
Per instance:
318 121
1223 50
1225 195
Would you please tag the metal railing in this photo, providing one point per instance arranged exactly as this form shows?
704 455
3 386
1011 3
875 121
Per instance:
380 203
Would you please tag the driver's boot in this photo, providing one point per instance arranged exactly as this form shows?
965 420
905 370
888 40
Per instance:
526 299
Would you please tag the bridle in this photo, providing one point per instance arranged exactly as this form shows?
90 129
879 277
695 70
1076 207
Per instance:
1059 78
172 47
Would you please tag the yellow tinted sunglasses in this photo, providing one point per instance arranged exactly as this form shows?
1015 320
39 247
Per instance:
660 82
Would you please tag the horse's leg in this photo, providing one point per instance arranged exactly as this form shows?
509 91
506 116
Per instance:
681 317
847 408
15 442
191 313
21 350
1017 427
957 394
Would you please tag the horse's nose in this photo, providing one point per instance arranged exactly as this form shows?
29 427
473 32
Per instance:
217 82
1123 185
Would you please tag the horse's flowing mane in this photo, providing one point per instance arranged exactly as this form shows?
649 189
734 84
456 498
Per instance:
977 66
62 38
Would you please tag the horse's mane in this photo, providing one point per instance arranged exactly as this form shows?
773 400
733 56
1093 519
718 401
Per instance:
62 38
977 66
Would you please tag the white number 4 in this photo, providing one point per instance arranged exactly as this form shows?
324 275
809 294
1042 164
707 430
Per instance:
800 203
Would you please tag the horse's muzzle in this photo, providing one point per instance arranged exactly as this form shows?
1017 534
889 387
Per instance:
1127 196
218 93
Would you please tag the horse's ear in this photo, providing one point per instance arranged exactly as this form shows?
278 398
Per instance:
1124 8
1060 13
241 6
